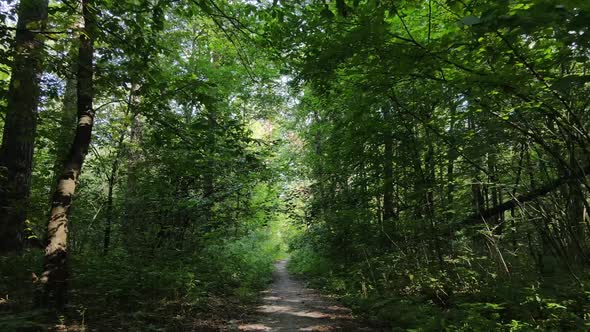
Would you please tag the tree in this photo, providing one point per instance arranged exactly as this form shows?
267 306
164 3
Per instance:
55 275
16 151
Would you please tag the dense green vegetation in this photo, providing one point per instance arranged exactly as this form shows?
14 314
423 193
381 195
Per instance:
447 154
424 161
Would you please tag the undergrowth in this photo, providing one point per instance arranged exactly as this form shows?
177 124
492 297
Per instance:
167 290
462 296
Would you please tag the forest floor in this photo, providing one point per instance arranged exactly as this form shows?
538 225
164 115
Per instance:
289 306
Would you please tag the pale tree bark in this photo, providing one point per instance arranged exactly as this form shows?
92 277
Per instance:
55 274
16 151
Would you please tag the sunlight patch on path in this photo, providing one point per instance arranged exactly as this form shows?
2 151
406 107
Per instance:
289 306
254 327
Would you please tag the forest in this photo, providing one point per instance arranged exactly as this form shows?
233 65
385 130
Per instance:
294 165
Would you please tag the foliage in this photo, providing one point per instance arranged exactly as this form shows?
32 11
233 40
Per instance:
423 300
177 212
444 164
426 161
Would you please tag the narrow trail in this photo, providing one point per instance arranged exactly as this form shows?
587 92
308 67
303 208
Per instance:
289 306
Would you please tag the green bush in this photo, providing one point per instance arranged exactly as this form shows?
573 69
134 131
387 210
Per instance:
388 288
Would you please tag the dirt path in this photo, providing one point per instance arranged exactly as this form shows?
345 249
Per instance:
289 306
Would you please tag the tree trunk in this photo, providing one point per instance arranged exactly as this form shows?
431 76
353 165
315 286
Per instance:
451 157
209 176
513 194
135 139
575 212
55 274
533 194
112 178
493 188
67 127
134 157
388 209
16 151
429 186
